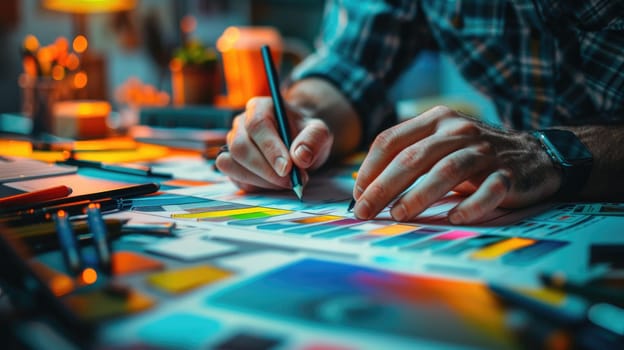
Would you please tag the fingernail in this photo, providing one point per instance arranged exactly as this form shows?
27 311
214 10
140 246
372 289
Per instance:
304 154
456 218
398 212
280 166
362 209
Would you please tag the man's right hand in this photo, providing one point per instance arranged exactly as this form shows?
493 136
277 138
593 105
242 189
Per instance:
257 157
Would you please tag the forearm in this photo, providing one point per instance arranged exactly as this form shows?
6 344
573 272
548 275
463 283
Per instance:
320 99
605 143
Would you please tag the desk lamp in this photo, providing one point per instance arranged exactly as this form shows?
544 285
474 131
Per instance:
92 63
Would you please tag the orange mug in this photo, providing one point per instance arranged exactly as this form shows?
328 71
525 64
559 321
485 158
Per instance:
243 67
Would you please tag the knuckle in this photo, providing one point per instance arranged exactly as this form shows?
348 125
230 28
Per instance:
441 110
484 147
500 185
409 158
385 139
252 103
256 123
238 148
320 131
448 168
416 204
377 192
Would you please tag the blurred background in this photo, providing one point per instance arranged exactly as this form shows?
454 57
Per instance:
128 52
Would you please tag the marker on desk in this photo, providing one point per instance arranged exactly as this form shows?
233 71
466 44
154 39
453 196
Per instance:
116 193
280 116
29 216
130 169
68 243
100 237
586 290
36 196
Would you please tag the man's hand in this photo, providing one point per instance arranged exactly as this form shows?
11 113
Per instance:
258 158
491 167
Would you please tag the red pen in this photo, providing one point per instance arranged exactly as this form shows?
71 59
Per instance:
36 196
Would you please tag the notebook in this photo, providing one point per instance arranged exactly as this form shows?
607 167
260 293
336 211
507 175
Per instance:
19 169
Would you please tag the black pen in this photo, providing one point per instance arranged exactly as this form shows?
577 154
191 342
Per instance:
100 238
68 243
116 193
42 237
588 290
76 208
130 169
280 116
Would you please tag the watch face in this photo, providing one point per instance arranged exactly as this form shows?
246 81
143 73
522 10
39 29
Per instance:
569 148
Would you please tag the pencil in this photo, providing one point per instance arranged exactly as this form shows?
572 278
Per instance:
36 196
280 116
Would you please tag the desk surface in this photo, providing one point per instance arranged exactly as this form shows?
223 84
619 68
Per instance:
268 271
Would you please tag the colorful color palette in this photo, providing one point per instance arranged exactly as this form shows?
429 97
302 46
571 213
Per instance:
309 220
336 295
102 304
185 279
180 331
232 214
441 240
190 249
501 248
124 262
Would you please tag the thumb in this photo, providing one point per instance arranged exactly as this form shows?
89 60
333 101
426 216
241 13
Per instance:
311 148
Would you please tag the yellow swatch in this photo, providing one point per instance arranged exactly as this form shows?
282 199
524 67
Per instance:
499 249
317 219
392 230
229 212
185 279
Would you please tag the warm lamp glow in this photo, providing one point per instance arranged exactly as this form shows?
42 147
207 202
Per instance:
80 44
89 276
89 6
80 80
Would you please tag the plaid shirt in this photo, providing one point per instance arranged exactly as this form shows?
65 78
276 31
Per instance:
543 62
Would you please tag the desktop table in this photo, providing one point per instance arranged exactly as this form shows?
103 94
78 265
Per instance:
202 265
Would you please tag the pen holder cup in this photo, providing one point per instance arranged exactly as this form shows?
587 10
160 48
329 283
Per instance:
38 98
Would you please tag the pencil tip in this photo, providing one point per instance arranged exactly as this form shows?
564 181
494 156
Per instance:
298 191
351 205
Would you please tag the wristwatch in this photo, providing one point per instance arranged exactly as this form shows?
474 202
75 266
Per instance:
569 155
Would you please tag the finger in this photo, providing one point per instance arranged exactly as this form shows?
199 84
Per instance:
261 127
443 177
244 151
488 197
392 141
311 147
401 173
244 178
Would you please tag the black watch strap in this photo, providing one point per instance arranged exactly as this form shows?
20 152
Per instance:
570 156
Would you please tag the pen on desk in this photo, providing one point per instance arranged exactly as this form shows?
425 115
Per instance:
44 214
280 116
36 196
131 169
43 236
67 242
100 239
585 290
116 193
